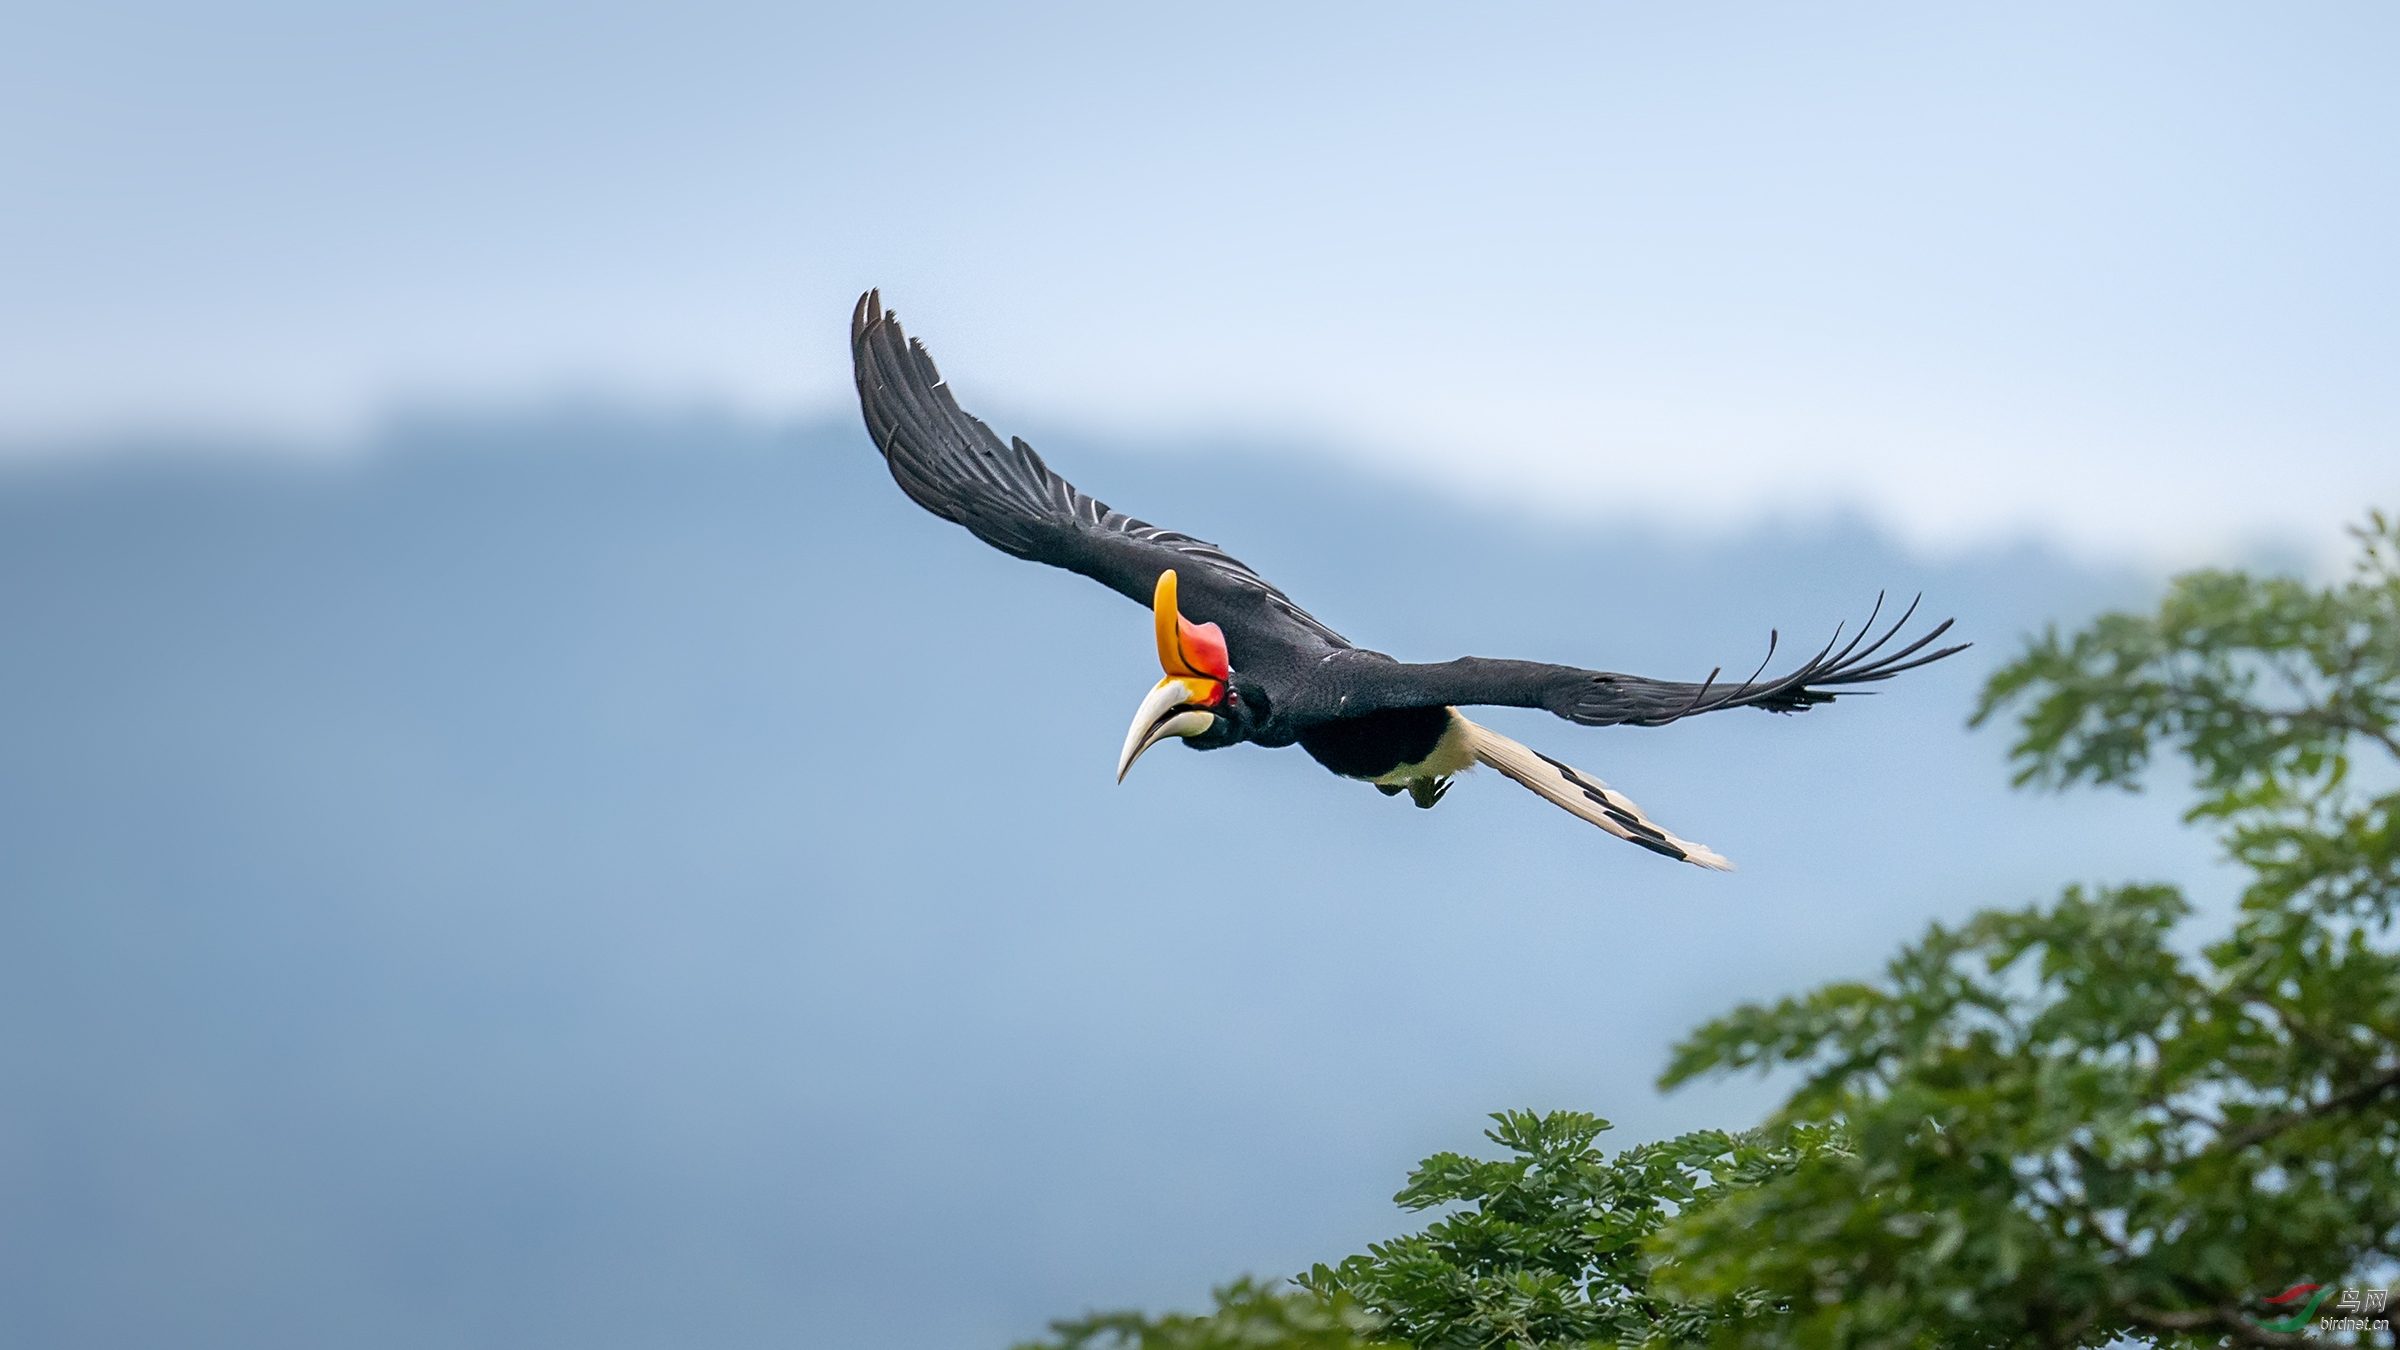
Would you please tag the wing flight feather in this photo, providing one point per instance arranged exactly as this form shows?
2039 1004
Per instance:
1599 698
953 465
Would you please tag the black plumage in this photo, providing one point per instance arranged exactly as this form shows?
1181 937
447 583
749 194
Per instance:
1294 679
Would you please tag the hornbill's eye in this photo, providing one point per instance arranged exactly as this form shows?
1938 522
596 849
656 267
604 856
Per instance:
1193 655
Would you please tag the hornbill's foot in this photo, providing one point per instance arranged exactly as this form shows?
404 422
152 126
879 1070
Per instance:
1390 789
1426 791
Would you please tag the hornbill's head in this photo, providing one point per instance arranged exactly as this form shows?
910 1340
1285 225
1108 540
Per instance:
1196 700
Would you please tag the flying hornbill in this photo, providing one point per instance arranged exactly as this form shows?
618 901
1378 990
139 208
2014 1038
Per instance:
1259 668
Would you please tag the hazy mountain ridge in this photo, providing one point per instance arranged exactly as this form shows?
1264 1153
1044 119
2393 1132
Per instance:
596 882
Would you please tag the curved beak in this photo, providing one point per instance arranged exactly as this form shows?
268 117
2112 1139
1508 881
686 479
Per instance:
1158 718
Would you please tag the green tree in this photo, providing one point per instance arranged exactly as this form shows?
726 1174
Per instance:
1550 1247
2059 1125
2066 1130
1547 1248
1248 1316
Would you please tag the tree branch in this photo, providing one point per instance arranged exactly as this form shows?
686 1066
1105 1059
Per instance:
2258 1131
2201 1319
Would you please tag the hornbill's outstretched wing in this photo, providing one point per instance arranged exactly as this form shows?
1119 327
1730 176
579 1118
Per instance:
954 466
1599 698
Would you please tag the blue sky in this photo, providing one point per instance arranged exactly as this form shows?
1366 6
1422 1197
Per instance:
2121 277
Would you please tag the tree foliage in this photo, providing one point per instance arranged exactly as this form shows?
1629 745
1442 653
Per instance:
2058 1125
1248 1316
2067 1130
1546 1247
1550 1246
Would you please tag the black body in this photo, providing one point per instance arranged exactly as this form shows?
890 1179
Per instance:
1358 712
1374 744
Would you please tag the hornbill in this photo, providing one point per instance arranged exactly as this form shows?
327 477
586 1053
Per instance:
1256 667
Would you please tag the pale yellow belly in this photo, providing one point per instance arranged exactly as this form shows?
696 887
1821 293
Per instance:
1453 753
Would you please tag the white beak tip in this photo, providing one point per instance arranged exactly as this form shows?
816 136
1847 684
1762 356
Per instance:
1151 725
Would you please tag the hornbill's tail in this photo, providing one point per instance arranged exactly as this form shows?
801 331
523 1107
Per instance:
1584 795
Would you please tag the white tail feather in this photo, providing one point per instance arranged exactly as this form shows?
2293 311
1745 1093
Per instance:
1585 796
